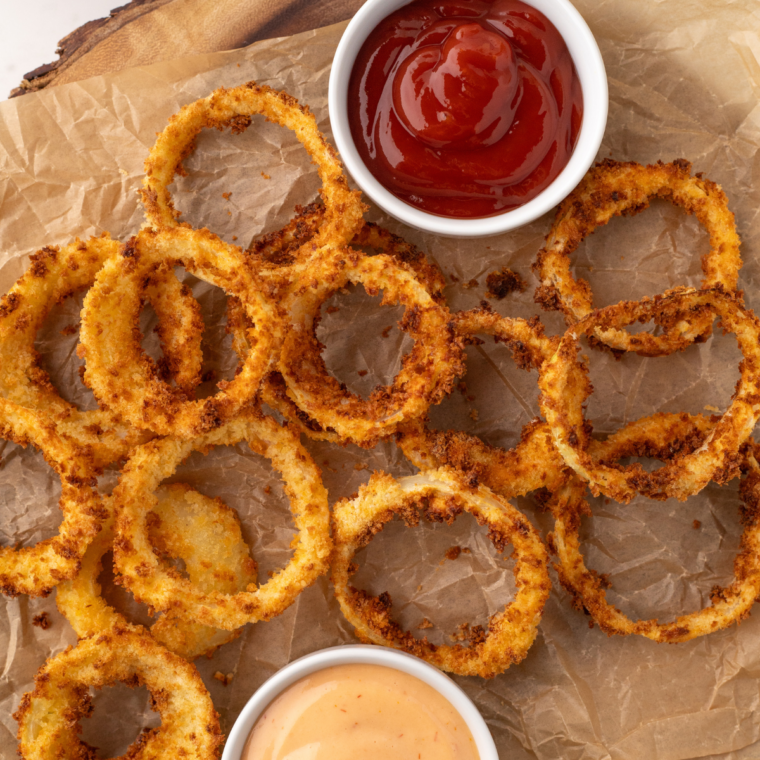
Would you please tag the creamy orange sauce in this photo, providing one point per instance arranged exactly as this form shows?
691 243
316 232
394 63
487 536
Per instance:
360 711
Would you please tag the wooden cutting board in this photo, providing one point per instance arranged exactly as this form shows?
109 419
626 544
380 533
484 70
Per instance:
148 31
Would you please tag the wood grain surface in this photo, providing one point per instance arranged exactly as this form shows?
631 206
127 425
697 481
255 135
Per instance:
148 31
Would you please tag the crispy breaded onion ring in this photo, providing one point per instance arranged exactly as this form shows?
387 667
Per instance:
534 463
234 108
117 369
613 188
49 716
565 387
35 570
658 436
162 587
440 495
277 247
55 274
427 374
186 525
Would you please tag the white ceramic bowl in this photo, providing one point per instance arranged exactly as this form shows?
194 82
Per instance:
593 78
365 655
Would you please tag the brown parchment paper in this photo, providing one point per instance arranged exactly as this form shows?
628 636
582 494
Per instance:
684 82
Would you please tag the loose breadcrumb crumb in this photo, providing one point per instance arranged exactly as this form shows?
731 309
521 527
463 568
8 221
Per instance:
503 282
42 621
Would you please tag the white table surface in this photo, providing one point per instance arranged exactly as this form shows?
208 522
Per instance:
31 29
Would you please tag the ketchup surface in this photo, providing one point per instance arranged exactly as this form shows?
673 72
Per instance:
465 109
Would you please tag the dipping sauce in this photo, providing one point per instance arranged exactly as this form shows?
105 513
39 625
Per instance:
465 109
360 711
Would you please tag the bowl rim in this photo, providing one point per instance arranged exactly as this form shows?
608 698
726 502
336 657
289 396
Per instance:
590 67
358 654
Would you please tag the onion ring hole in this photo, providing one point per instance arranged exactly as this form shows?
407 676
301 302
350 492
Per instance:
37 518
641 548
256 177
118 710
421 567
627 257
376 359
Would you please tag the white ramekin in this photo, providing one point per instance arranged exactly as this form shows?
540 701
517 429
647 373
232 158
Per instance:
589 65
364 655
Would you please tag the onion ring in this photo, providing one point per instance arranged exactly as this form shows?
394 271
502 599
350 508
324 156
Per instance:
564 388
185 524
55 274
49 716
278 247
234 108
658 436
440 495
36 570
612 188
427 373
117 369
163 588
534 463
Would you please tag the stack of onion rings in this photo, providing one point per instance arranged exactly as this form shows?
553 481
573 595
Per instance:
161 587
205 534
564 387
54 275
276 289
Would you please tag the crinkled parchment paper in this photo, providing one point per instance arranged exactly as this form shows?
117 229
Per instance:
684 82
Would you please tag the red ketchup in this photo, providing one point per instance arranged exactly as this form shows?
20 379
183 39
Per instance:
465 109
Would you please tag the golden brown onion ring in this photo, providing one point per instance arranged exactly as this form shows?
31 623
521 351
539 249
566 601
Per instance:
612 188
35 570
163 588
234 108
659 436
565 387
186 525
440 495
49 716
428 371
117 369
277 247
54 275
